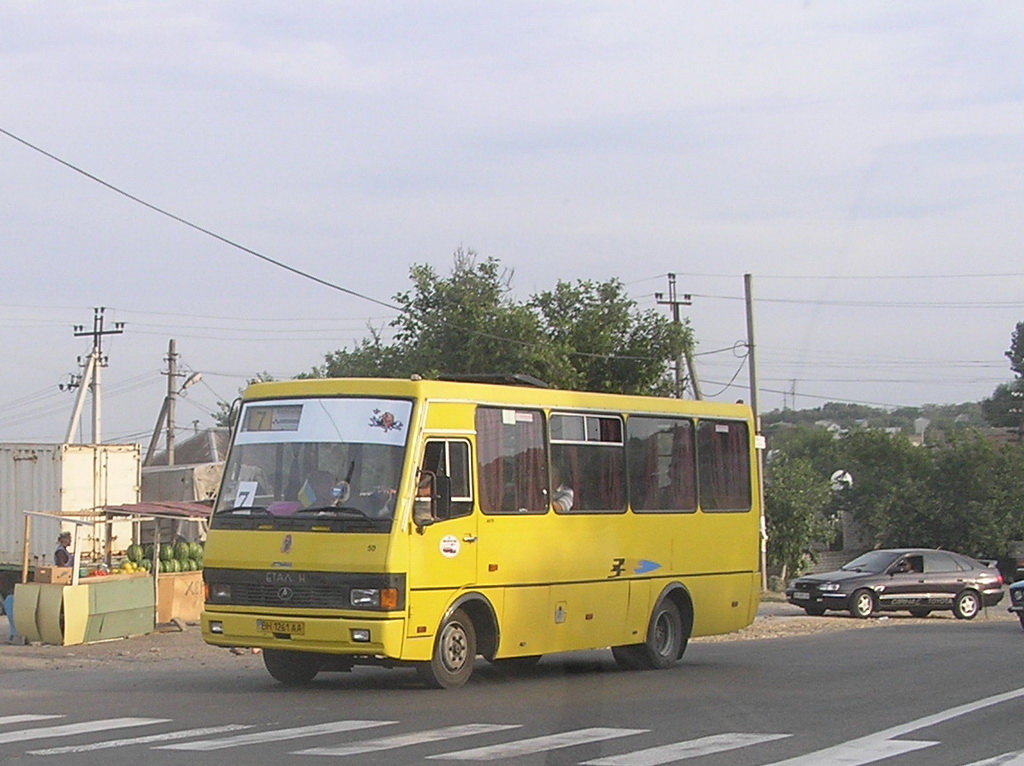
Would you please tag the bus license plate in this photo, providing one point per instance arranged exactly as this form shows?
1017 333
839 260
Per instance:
281 626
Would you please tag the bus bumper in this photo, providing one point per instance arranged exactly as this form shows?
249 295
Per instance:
327 635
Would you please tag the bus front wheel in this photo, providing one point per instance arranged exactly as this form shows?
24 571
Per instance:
291 668
451 663
666 641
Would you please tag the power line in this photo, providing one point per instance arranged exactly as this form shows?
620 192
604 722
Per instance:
196 227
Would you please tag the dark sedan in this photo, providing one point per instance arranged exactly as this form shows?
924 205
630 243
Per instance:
910 579
1017 600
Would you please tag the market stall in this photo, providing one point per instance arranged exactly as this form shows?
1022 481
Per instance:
126 591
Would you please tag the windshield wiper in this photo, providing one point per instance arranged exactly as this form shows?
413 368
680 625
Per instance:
331 510
245 510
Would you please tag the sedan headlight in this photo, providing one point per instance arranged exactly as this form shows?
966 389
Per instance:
829 587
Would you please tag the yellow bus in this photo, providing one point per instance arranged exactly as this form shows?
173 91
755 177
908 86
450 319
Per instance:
431 522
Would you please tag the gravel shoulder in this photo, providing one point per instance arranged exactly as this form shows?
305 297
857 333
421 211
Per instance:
183 642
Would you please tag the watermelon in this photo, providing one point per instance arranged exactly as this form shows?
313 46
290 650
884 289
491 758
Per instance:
181 551
195 551
146 564
166 552
134 553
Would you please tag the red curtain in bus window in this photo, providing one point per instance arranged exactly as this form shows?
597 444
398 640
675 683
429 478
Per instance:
512 463
682 469
490 465
724 466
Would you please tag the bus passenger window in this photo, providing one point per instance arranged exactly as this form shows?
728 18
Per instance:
511 460
723 460
662 464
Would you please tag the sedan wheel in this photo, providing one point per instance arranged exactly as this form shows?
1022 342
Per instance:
862 603
966 605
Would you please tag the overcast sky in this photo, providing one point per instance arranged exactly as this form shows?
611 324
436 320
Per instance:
862 161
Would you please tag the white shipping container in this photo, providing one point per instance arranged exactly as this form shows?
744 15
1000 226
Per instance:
63 478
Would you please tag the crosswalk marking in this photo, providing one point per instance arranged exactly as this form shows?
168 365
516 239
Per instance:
857 752
678 751
165 737
538 744
1006 759
64 730
403 740
25 718
276 735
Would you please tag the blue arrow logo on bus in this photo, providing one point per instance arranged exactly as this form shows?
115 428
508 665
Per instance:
643 566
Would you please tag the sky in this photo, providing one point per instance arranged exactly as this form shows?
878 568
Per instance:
862 162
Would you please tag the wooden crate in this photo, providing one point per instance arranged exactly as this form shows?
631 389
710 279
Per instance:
53 575
179 595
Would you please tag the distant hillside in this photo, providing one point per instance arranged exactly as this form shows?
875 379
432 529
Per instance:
935 418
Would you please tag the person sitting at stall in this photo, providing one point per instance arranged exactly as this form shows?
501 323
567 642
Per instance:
62 557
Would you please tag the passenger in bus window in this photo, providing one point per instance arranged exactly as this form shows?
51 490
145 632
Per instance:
562 495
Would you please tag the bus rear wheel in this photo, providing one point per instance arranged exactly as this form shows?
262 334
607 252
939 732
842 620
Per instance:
451 662
666 641
291 668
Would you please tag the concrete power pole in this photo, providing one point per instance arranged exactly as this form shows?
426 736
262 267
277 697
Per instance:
748 290
675 303
91 377
166 416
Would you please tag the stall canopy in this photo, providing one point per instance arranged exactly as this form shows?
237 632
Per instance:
162 509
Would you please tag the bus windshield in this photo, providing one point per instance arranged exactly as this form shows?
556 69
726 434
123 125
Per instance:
330 458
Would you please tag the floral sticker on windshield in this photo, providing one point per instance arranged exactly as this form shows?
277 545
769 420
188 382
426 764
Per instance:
385 421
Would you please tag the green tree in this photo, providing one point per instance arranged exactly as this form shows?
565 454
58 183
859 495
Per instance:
796 512
1005 408
962 513
603 343
890 483
584 335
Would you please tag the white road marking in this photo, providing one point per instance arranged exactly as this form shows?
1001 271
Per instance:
65 730
678 751
538 744
875 747
276 735
24 718
1006 759
404 740
165 737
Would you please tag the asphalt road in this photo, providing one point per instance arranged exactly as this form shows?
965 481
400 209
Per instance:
907 692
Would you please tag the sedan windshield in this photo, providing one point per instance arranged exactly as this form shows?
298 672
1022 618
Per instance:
872 561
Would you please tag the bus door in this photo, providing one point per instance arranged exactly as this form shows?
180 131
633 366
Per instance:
443 556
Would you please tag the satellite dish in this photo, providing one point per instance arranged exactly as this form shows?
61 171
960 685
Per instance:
841 480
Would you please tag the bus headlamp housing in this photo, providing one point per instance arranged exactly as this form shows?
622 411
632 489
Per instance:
374 598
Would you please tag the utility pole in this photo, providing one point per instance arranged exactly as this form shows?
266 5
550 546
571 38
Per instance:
91 378
675 303
166 416
748 290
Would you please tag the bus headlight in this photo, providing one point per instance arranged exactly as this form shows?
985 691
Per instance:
365 597
374 598
218 593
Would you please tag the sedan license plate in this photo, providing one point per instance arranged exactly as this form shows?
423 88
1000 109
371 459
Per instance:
290 627
801 595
